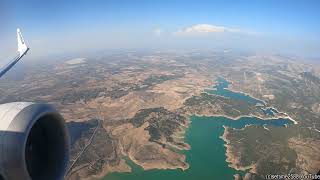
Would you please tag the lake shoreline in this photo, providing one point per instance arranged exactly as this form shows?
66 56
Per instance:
205 134
230 158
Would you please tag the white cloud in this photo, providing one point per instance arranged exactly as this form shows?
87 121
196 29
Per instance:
157 32
208 28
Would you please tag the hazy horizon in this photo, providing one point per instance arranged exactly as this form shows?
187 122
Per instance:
58 27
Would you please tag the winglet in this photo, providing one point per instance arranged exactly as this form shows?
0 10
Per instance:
22 47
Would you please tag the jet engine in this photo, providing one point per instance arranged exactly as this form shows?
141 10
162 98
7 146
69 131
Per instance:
34 143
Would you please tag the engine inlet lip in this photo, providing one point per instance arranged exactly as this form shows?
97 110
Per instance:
47 110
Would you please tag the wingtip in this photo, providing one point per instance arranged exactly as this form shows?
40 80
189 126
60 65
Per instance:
22 47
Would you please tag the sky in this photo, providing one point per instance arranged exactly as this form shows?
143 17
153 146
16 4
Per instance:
66 26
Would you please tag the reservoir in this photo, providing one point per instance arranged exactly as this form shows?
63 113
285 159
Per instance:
221 89
206 157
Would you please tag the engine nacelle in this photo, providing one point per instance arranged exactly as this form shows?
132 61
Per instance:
34 143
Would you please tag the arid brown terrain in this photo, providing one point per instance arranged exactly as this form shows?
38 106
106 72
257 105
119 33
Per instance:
137 105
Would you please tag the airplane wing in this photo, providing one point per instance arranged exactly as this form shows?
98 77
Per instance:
22 50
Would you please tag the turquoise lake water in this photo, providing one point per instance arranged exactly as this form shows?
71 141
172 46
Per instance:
207 154
220 89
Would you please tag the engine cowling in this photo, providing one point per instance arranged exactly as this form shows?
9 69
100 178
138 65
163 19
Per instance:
34 142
